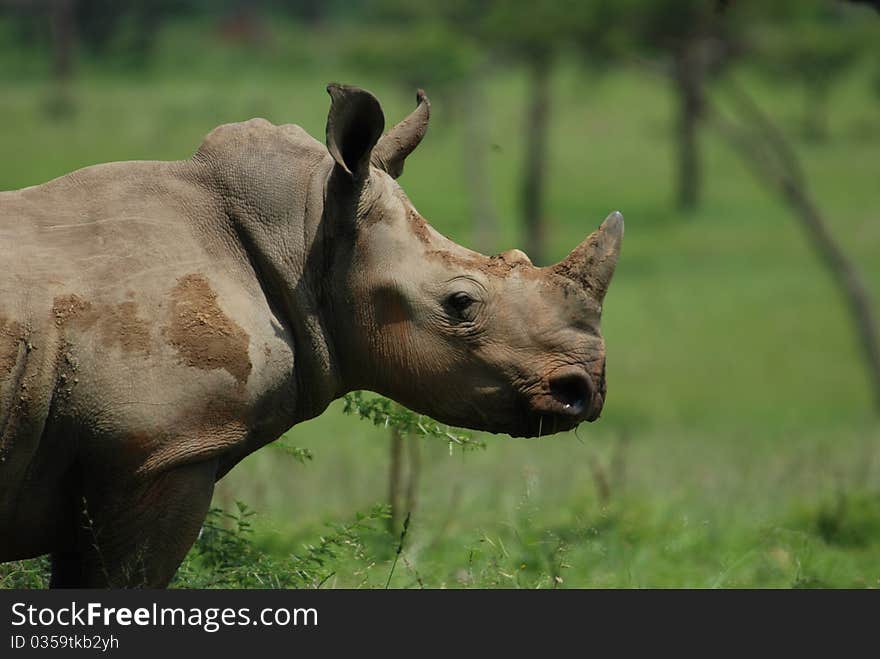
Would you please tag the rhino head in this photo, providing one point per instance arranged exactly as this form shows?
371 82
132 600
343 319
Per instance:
486 342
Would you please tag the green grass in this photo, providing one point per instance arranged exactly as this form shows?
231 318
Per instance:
738 439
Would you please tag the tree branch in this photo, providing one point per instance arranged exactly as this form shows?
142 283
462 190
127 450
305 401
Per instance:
774 163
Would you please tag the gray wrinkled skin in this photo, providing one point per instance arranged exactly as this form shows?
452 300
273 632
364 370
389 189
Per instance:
159 321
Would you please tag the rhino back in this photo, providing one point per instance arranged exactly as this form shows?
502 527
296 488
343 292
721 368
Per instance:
158 340
124 306
97 226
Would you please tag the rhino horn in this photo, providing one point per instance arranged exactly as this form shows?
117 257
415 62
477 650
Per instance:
591 264
393 148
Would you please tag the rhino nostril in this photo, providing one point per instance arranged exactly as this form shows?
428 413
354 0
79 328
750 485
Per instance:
573 389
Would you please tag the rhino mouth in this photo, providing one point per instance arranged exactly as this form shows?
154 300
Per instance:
572 392
566 398
570 397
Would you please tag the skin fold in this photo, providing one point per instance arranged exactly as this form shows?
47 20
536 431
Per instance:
159 321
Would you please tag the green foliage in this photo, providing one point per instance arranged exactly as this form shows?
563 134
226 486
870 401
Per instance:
383 412
730 358
847 520
816 54
301 455
423 55
225 556
813 44
32 573
665 24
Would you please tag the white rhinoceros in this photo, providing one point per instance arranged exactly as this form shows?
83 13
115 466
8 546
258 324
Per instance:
159 321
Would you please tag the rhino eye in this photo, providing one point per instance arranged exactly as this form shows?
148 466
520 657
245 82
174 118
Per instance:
460 305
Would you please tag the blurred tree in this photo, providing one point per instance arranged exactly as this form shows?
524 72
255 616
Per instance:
465 18
698 39
403 488
63 27
871 3
535 32
474 105
461 41
117 32
812 43
775 164
438 47
62 24
312 12
124 30
531 32
50 25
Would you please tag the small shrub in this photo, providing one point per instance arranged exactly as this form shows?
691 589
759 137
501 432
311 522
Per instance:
383 412
849 520
33 573
225 555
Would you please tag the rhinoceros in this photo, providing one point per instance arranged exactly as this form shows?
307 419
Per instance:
159 321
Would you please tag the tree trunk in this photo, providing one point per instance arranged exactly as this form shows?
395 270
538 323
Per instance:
845 274
476 164
816 111
403 488
63 29
535 170
63 34
394 480
689 88
774 163
413 450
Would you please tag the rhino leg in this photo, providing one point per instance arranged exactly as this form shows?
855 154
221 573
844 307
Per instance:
137 537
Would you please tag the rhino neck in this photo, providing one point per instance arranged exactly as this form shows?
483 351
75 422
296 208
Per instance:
273 203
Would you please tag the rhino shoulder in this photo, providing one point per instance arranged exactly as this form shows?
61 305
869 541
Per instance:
258 137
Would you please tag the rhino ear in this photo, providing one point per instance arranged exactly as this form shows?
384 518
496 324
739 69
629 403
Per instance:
392 150
354 125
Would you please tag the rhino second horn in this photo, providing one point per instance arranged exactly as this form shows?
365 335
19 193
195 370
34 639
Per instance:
591 264
392 149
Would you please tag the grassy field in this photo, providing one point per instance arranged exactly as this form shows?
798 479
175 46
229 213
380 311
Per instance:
738 446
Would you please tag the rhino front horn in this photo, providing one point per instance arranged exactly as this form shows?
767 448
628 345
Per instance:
591 264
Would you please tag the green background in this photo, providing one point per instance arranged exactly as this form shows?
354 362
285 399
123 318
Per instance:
739 443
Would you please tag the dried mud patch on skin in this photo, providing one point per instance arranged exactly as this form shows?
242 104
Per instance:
495 265
121 326
202 334
68 307
581 264
419 227
11 336
118 324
